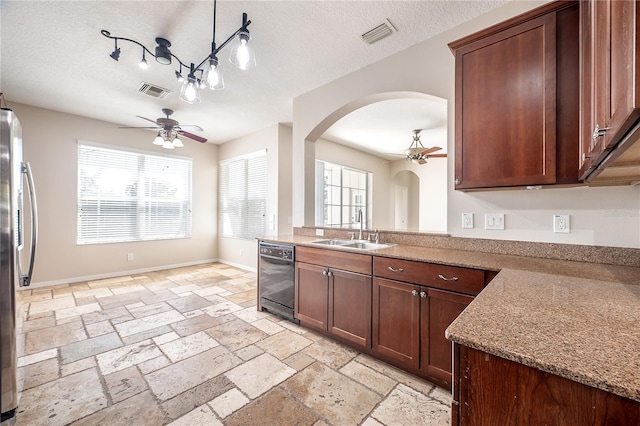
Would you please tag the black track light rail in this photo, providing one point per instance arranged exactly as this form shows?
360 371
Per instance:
160 41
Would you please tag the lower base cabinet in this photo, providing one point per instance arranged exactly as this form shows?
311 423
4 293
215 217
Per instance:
409 322
490 390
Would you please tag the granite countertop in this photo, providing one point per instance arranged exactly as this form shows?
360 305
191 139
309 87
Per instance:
578 320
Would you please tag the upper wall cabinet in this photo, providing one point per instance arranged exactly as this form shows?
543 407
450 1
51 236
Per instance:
516 101
610 101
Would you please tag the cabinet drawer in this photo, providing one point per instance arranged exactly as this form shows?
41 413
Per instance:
461 280
337 259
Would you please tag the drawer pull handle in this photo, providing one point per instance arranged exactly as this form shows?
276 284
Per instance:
442 277
414 292
392 269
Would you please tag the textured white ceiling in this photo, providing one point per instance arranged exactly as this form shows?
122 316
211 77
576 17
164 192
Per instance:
53 55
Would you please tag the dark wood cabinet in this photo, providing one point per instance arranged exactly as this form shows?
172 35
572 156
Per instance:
410 318
334 300
490 390
516 104
610 98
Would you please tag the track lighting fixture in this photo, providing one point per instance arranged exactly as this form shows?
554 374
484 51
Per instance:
207 73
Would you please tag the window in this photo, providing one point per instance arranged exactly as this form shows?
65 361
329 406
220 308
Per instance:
243 196
341 192
131 196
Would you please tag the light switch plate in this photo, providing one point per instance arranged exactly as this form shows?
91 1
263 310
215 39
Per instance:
467 220
494 221
562 223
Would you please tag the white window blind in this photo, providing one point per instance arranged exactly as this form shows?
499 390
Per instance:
131 196
243 196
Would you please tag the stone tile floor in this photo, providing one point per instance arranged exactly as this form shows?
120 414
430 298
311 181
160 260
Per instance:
187 347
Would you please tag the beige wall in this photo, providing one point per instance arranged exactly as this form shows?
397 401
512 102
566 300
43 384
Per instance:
50 141
599 216
276 139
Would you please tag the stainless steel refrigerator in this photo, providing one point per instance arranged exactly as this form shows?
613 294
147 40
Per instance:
13 172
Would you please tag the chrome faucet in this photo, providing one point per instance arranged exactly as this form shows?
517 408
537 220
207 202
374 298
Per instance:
360 220
377 236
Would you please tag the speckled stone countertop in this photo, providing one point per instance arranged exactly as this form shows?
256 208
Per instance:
575 319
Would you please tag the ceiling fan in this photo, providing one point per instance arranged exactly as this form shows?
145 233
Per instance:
417 153
169 129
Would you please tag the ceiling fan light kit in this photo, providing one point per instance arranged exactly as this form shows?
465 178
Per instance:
207 73
169 131
417 153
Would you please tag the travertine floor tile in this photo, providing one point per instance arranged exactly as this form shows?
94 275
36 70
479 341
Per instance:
186 347
196 396
284 344
330 353
42 372
138 410
276 406
368 377
52 337
125 383
342 400
121 358
147 323
51 305
259 374
86 348
62 401
201 416
228 402
407 406
236 334
181 376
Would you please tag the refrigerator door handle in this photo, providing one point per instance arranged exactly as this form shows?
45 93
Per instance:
25 279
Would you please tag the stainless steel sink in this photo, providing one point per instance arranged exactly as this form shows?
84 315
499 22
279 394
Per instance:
357 244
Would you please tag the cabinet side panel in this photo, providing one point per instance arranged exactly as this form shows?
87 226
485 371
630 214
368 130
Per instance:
499 391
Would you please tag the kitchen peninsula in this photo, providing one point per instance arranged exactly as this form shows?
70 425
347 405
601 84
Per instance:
574 320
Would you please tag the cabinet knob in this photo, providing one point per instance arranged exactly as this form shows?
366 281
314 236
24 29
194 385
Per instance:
442 277
392 269
414 293
329 273
423 294
597 132
324 272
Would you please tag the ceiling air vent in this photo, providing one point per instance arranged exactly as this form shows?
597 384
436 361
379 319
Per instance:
378 33
152 90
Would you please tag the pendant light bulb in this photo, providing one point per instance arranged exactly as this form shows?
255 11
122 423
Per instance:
168 144
190 92
242 55
213 75
143 63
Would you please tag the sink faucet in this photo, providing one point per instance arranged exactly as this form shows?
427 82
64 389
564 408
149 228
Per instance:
360 220
377 236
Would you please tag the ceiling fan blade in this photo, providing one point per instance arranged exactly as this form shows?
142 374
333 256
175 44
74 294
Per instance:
148 119
192 136
190 127
430 150
437 156
138 127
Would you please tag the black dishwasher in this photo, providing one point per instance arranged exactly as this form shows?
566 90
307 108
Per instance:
276 275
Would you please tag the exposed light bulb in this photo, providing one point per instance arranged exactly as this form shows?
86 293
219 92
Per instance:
213 76
190 92
242 55
143 64
179 77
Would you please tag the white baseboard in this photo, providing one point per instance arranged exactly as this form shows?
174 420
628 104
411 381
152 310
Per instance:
237 265
121 273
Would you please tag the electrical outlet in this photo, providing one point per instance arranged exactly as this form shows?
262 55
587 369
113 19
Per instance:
494 221
319 232
561 223
129 256
467 220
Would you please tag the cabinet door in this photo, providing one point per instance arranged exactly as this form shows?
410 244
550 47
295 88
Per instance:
506 107
610 36
312 291
350 306
396 321
439 309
